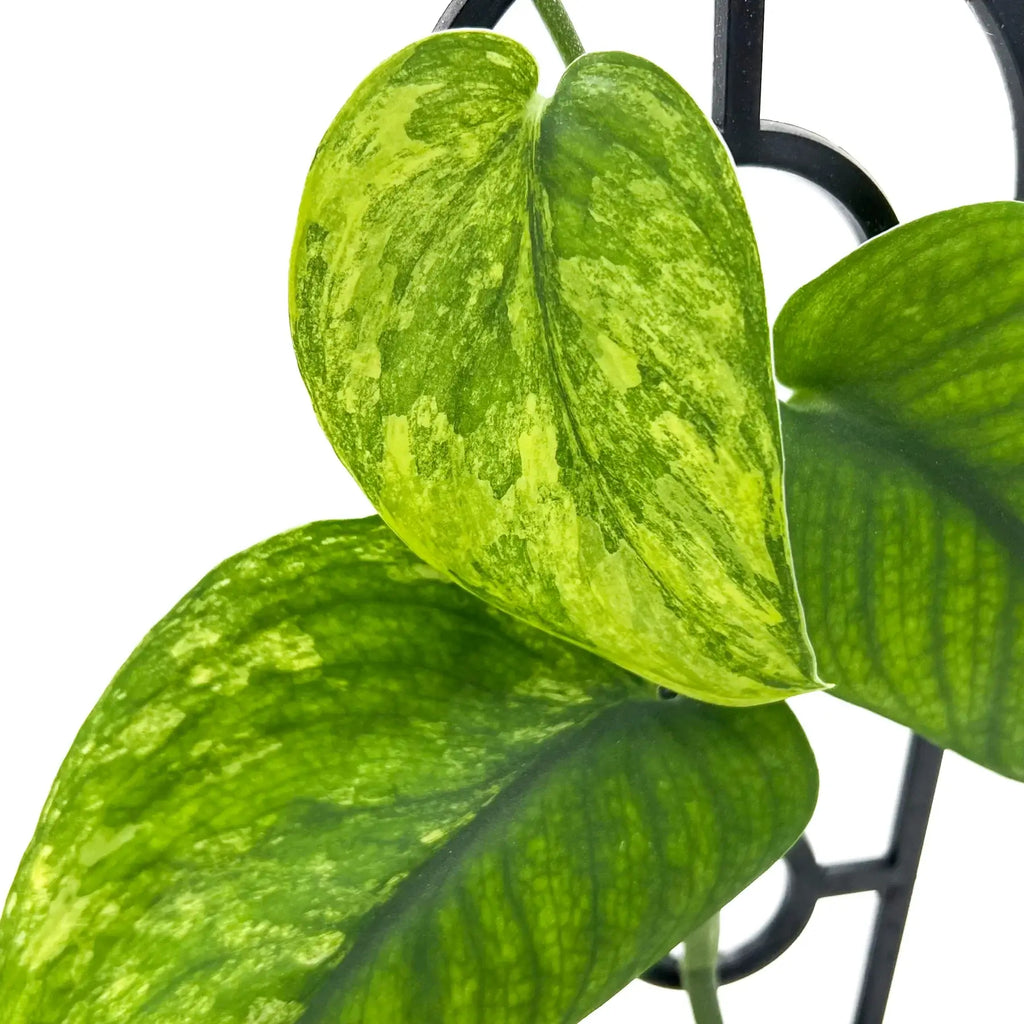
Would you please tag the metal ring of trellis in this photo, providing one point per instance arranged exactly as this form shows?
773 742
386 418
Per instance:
736 110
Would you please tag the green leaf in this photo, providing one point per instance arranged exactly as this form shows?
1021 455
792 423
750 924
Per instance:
534 331
905 476
331 787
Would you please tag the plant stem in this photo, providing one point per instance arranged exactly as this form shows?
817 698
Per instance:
700 972
561 29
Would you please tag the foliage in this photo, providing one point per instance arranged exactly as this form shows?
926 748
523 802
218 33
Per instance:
340 788
905 475
478 332
421 771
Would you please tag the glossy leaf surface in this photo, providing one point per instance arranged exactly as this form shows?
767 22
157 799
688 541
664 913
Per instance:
905 476
534 331
331 787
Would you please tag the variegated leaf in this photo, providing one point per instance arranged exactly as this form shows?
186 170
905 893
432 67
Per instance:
534 331
333 788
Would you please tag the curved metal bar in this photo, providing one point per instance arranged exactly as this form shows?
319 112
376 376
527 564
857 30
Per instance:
803 885
736 109
788 148
1003 21
803 888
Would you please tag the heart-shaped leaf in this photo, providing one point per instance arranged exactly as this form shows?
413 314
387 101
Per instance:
905 476
331 787
534 331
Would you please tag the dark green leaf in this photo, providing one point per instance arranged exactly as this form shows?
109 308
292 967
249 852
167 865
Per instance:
331 787
905 476
534 331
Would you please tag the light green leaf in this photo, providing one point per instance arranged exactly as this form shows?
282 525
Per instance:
534 331
331 787
905 476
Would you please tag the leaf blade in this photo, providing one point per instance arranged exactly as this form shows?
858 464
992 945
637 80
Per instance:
923 328
323 756
585 377
908 364
916 606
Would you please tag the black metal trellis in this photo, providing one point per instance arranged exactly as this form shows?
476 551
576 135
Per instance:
736 110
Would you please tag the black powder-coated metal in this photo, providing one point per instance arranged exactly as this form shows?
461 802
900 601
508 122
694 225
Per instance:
736 110
472 14
1003 21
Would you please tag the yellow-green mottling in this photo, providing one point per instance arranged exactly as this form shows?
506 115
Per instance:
331 787
534 331
905 476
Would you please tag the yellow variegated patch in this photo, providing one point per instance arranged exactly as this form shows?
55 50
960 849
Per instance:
534 330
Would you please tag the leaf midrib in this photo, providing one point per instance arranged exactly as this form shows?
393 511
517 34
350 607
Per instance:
451 856
537 228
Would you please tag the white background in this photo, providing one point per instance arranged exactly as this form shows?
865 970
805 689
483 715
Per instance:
153 421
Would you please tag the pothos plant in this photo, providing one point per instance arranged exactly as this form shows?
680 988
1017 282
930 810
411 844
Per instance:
416 767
